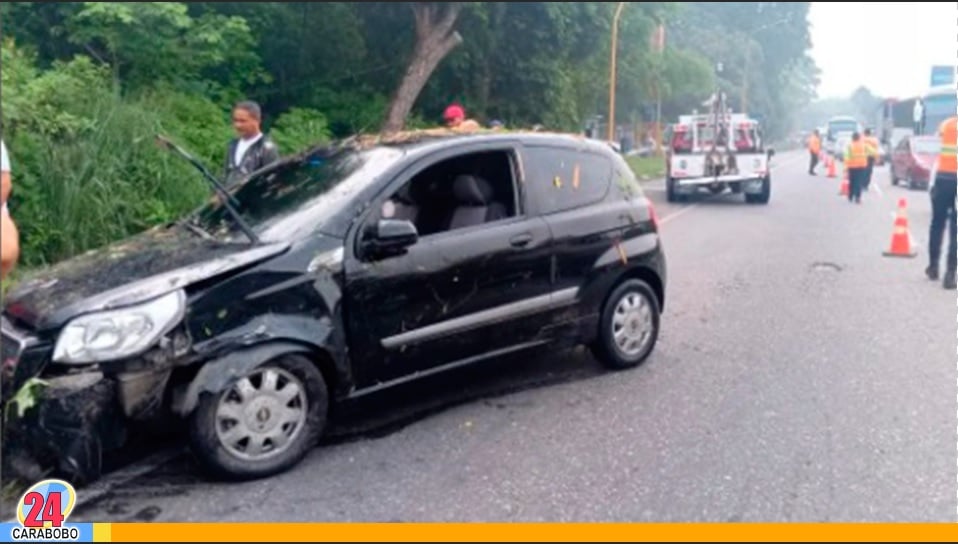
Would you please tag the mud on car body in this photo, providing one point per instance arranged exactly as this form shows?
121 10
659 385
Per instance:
364 265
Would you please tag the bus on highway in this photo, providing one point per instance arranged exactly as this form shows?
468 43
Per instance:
895 116
941 102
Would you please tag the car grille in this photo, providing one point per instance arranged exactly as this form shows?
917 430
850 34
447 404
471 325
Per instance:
12 346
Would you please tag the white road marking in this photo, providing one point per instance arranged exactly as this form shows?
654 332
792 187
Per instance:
678 213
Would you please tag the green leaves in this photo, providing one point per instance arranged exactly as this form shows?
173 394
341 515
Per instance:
26 398
299 129
159 41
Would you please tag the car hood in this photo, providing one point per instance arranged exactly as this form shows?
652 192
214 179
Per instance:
925 161
131 271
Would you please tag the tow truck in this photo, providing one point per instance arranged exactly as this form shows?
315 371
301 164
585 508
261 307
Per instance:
718 151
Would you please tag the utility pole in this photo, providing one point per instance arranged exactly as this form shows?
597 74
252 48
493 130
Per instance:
748 59
748 55
612 67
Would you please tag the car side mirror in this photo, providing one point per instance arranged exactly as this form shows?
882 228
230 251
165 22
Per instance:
390 237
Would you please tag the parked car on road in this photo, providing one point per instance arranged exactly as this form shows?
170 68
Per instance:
913 159
331 275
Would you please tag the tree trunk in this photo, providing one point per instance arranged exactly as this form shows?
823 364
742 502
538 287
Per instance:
435 38
484 85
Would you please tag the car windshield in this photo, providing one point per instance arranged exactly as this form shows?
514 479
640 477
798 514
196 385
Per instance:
926 146
836 127
298 195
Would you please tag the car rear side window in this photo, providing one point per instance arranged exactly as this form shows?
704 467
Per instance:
564 179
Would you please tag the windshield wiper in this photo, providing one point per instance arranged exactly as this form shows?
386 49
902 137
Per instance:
225 197
195 229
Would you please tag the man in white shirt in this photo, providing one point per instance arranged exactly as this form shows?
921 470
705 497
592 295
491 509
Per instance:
251 150
9 236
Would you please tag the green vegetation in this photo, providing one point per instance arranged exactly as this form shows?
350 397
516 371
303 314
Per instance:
647 168
87 86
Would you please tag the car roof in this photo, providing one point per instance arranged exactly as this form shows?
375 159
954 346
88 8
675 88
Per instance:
431 140
436 139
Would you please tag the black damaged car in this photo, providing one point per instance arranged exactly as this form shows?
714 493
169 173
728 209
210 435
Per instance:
336 273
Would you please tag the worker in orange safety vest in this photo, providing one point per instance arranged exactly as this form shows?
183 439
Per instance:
856 162
944 180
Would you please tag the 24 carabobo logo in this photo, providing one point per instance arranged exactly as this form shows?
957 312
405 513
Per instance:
43 510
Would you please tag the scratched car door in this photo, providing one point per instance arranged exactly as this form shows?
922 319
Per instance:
458 296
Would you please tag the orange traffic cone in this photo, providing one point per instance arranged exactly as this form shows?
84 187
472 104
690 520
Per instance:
845 183
830 162
900 238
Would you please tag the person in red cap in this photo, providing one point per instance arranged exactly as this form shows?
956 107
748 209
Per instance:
455 117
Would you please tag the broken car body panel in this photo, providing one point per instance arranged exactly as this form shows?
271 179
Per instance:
144 267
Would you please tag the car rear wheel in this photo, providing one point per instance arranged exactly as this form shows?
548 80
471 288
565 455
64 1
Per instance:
628 327
764 196
264 422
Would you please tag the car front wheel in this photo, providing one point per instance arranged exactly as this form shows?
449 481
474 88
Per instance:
628 327
264 422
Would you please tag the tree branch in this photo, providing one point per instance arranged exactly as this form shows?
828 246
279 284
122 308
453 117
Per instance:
453 9
91 51
449 43
422 12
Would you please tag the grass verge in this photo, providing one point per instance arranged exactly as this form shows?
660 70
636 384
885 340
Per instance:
647 168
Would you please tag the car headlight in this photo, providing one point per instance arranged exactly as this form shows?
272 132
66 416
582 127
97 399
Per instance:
118 334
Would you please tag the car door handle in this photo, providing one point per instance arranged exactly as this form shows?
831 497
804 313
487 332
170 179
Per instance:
521 240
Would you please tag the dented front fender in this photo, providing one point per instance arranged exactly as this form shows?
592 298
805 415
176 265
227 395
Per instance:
217 375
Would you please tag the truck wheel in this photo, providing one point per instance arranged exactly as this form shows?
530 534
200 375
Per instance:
670 190
264 422
628 326
764 196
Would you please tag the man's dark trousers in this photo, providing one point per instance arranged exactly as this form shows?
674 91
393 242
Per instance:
856 177
942 213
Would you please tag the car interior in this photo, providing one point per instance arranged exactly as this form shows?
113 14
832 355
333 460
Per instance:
457 193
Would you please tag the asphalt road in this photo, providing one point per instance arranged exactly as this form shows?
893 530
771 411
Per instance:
800 376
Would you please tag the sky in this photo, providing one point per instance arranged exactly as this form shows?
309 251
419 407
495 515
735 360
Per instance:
887 47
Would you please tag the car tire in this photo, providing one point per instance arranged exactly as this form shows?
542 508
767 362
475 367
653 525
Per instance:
764 196
670 194
217 448
632 313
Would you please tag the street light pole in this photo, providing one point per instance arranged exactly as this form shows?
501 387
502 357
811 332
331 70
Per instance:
748 51
612 75
748 59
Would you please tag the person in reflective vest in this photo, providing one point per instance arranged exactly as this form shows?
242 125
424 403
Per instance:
873 147
814 150
943 194
856 162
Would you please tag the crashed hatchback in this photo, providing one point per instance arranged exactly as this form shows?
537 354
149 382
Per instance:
333 274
